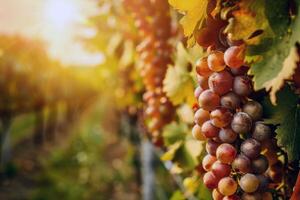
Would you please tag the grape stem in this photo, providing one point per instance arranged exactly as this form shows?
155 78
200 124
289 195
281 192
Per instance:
296 193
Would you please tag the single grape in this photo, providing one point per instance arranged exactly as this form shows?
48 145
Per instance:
210 180
227 135
251 148
202 81
197 134
231 197
260 164
242 85
226 153
249 183
241 123
252 196
217 195
227 186
202 67
263 182
208 161
209 130
239 71
209 100
267 196
206 37
211 147
242 164
220 82
201 116
231 101
261 132
221 117
220 169
234 56
253 109
216 61
198 91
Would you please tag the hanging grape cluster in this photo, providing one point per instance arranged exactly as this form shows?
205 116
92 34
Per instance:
152 19
242 160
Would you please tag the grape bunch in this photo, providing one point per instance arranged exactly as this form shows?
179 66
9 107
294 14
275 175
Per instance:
242 156
153 22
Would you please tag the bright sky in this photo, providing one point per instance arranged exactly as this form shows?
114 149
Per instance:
59 22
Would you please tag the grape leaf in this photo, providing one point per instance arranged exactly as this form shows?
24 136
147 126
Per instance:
179 83
194 13
247 20
170 153
288 69
174 132
274 51
186 114
177 195
286 114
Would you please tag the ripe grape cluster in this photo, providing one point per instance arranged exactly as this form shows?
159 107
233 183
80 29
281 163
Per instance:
152 19
241 158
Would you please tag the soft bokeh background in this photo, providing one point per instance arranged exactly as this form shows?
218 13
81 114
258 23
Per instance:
63 132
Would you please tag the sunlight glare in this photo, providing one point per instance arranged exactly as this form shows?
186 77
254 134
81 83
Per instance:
61 13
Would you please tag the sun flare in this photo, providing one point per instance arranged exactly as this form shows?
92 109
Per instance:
60 13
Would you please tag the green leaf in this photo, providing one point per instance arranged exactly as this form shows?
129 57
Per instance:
287 115
274 51
204 193
172 150
179 83
174 132
177 195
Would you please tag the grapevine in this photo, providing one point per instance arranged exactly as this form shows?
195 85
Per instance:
155 55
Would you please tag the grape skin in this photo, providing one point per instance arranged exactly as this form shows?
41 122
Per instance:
249 183
209 130
197 134
241 123
211 147
242 164
231 101
251 148
226 153
220 82
216 61
201 116
208 162
209 100
220 169
260 164
234 56
221 117
227 135
210 180
227 186
242 85
202 67
254 110
261 132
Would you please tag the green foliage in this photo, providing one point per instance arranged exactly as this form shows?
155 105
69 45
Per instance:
287 115
179 83
273 51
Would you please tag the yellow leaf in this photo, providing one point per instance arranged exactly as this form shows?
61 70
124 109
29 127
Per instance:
195 13
186 114
195 148
191 185
289 66
176 169
169 155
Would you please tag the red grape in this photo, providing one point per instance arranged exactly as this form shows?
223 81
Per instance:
253 109
249 183
221 117
209 100
242 164
231 101
242 85
227 186
202 67
251 148
227 135
234 56
220 82
216 61
197 134
241 123
201 116
208 161
220 169
260 164
209 130
261 132
211 147
210 180
226 153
